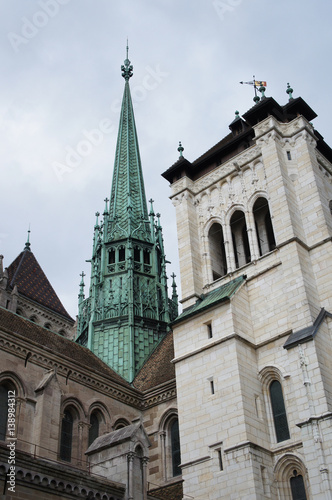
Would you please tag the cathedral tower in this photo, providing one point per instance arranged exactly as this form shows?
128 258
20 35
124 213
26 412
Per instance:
128 309
253 344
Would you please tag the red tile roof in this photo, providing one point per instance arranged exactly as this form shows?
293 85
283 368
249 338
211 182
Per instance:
58 345
158 368
31 281
171 492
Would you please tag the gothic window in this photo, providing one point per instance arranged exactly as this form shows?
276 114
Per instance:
94 427
137 254
47 326
3 411
66 436
279 411
240 239
111 256
146 257
175 447
217 251
297 487
264 229
122 254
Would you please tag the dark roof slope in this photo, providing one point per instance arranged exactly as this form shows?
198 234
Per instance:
31 281
158 369
308 333
52 342
171 492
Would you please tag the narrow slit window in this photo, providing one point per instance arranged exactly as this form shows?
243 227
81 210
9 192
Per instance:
289 156
209 329
212 386
221 466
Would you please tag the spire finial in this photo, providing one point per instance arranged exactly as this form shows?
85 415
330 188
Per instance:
151 206
127 68
180 149
289 91
27 245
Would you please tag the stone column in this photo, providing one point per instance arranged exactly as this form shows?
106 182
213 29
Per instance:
130 460
229 248
145 461
252 237
163 453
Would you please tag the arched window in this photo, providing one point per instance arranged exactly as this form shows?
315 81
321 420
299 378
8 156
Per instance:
146 256
94 427
122 254
279 411
111 256
3 411
119 424
240 239
137 254
175 447
264 229
297 487
217 251
66 436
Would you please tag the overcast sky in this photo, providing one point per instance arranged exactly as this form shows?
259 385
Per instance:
61 81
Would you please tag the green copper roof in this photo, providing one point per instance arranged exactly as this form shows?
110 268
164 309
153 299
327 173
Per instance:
221 294
128 202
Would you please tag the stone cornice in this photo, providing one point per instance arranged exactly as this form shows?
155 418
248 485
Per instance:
160 394
42 356
315 418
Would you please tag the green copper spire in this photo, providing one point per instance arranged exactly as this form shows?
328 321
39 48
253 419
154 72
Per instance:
128 310
128 207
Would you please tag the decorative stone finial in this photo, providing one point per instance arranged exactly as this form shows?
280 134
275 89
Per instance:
180 149
151 207
127 68
106 206
289 91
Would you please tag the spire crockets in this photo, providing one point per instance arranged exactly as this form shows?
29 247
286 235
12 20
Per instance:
128 203
128 310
